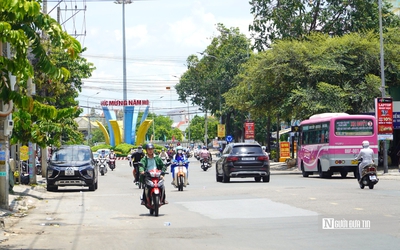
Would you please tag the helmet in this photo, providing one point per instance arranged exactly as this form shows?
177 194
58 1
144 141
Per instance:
103 151
365 144
150 145
179 148
139 147
204 147
112 150
162 150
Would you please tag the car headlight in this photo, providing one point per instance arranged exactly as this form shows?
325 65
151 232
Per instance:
49 172
90 172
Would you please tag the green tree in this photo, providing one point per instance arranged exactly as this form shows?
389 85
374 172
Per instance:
274 20
20 25
208 78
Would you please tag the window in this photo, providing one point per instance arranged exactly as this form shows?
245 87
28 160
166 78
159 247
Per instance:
354 127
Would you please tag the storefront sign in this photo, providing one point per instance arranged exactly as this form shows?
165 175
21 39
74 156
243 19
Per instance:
284 149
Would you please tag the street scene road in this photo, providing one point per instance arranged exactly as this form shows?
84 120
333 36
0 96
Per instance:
289 212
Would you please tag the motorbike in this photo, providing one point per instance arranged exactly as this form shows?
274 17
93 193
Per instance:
154 189
180 174
135 172
111 163
205 164
102 163
38 168
368 176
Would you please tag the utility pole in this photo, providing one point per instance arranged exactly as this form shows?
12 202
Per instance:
6 125
205 130
384 148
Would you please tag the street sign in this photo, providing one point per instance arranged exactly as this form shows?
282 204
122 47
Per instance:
229 138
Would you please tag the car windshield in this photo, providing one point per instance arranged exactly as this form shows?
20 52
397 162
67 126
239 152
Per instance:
247 150
71 154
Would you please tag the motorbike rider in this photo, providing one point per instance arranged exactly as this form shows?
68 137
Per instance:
163 155
129 156
148 162
205 155
136 157
112 156
367 156
179 156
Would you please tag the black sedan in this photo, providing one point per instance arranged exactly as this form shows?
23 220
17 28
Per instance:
72 166
240 160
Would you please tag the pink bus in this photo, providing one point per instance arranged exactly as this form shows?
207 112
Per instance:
329 142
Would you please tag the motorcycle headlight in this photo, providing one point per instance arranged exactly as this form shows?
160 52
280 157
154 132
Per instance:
149 183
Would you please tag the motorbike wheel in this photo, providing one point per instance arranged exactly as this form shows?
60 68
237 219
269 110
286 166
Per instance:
362 186
102 172
371 186
156 203
180 183
204 168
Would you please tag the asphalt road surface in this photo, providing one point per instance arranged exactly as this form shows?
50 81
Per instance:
290 212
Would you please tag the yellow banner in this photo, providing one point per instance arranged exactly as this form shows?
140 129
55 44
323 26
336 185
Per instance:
221 130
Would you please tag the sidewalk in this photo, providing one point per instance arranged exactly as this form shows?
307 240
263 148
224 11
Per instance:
281 168
21 201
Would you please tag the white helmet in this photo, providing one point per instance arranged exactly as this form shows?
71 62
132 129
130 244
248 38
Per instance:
365 144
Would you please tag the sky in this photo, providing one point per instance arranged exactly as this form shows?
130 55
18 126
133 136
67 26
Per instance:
159 37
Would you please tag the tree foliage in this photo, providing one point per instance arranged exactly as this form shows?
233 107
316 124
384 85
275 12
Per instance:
296 79
38 120
277 19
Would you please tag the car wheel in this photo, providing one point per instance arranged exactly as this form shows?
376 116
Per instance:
266 178
217 177
52 188
257 179
92 187
225 178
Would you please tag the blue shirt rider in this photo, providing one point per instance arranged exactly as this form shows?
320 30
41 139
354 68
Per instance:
180 156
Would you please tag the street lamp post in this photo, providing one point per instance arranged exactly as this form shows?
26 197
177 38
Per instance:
89 123
124 90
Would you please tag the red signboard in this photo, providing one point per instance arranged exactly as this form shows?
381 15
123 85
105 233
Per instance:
384 115
249 130
284 149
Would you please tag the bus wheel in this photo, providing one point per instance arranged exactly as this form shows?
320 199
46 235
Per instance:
304 173
320 173
343 173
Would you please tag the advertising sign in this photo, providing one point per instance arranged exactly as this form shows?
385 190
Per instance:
249 131
384 117
24 153
284 149
221 130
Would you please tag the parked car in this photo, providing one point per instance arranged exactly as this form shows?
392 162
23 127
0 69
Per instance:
72 165
240 160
